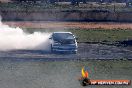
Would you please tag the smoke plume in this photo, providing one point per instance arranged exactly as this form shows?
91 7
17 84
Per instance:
16 38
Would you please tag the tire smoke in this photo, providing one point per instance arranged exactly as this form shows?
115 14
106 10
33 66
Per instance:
17 39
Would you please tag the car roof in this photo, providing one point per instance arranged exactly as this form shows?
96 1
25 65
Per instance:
63 32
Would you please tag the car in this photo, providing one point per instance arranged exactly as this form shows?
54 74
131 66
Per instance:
63 42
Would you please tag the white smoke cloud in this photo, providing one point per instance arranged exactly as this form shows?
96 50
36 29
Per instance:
16 38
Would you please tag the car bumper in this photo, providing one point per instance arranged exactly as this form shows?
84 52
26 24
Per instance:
60 49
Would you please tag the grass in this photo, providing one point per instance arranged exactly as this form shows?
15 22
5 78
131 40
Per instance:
108 67
96 35
62 74
42 6
102 35
98 69
24 7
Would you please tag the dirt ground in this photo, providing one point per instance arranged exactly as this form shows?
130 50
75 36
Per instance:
88 25
85 52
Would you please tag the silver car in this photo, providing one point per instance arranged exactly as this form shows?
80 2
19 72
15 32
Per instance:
63 42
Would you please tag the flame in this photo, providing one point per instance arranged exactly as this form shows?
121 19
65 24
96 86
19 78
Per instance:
84 73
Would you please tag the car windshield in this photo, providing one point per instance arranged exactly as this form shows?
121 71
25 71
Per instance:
65 38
